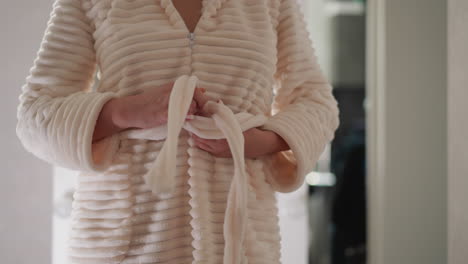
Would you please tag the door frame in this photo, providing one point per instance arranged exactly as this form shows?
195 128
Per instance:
407 145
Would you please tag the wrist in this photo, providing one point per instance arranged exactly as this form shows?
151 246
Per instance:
116 115
275 143
280 143
119 113
105 125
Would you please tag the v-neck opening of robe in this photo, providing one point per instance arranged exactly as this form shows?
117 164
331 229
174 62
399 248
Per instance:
180 17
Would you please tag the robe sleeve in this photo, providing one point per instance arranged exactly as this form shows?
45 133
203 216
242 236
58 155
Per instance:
57 112
305 113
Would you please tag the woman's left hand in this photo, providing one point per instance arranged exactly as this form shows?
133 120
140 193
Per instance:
257 143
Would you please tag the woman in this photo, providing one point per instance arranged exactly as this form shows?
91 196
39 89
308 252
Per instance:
171 173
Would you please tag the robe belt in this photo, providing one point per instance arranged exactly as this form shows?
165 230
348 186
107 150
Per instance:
223 123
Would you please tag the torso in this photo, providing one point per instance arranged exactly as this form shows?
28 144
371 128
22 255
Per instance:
141 44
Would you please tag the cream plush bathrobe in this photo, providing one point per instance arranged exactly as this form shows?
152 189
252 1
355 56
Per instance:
151 196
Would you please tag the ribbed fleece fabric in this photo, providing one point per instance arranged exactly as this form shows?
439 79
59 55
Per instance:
255 56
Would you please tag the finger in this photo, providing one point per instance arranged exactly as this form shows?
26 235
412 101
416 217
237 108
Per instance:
203 146
168 86
193 108
199 139
211 142
201 99
200 96
213 146
216 146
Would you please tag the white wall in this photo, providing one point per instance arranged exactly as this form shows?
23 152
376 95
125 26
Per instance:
293 222
315 16
407 131
26 182
458 130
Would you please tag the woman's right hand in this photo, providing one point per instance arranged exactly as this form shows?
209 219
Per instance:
147 109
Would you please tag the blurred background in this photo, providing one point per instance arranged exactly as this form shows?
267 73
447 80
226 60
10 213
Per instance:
389 189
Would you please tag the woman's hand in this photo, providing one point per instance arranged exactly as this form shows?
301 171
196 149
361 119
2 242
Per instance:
146 109
257 143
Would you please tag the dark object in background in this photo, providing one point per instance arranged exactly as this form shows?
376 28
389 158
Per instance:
343 206
347 35
349 205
